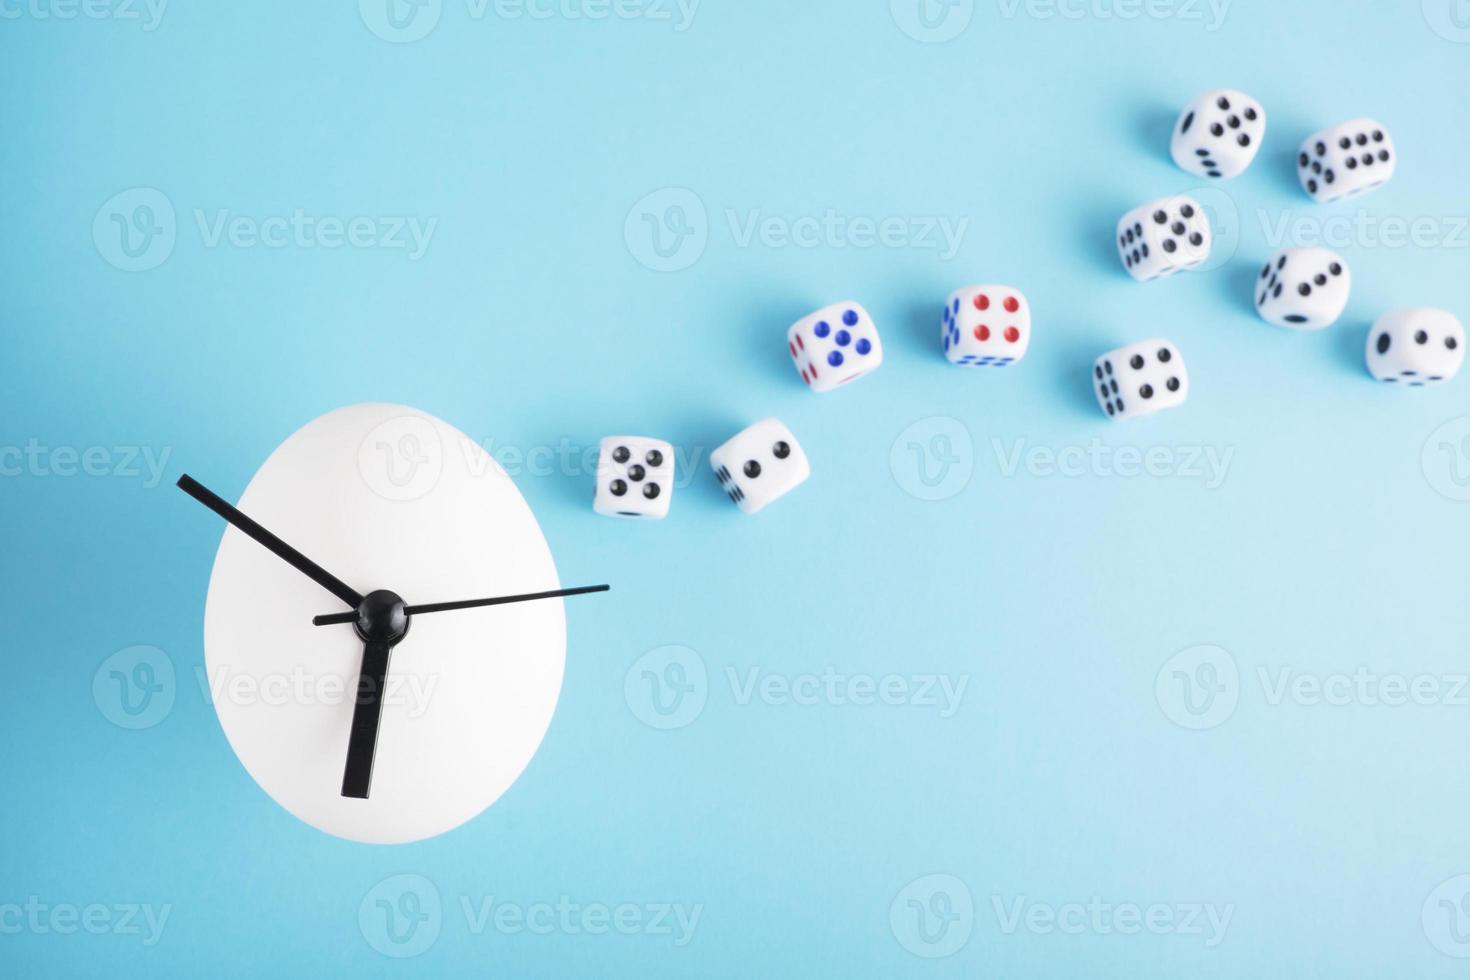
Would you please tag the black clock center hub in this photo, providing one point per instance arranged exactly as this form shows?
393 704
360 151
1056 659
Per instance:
382 617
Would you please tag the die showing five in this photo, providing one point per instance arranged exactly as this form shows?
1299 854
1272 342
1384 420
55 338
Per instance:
834 346
635 477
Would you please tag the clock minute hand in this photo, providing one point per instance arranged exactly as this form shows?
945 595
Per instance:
272 543
337 619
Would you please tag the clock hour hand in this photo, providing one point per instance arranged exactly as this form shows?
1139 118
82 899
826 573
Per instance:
382 621
336 619
272 543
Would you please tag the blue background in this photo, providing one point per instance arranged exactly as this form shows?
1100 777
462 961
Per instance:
533 319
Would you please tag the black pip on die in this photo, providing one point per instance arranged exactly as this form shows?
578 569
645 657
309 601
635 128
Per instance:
1140 379
1218 134
1164 236
635 478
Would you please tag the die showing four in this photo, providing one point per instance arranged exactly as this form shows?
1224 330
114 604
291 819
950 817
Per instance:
1140 379
986 326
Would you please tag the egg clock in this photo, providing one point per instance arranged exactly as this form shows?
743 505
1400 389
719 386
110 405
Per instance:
401 711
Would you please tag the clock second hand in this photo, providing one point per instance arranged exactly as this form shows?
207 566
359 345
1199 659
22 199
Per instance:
338 619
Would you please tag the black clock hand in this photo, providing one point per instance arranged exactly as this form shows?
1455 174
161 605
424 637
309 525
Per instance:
337 619
382 620
274 544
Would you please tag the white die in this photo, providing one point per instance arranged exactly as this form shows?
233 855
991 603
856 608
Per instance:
1416 347
1140 379
760 465
1345 160
1303 288
1218 134
1164 236
635 478
986 326
835 345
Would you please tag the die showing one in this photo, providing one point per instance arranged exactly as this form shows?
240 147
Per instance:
1416 347
1140 379
1162 237
1218 134
986 326
1303 288
1346 160
760 465
835 345
635 478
